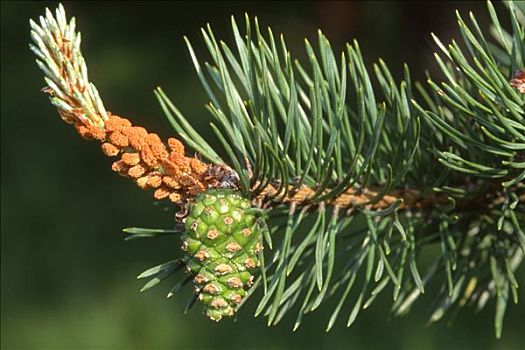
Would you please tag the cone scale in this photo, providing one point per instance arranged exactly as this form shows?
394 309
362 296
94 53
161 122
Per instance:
221 241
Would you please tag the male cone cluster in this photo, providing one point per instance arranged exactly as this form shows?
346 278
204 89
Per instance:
221 240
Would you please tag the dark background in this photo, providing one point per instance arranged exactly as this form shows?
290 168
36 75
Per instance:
67 276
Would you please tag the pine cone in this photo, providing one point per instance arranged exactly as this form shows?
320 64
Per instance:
222 240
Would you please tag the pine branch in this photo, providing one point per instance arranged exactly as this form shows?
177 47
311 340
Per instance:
143 156
318 136
358 175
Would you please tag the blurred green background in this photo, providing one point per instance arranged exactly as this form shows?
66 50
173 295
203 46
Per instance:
68 279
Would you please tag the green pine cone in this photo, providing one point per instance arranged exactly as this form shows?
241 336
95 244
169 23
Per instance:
221 240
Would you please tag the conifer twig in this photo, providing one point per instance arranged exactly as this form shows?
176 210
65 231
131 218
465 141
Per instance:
143 156
444 166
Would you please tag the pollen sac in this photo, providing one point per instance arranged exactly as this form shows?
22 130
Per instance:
222 240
